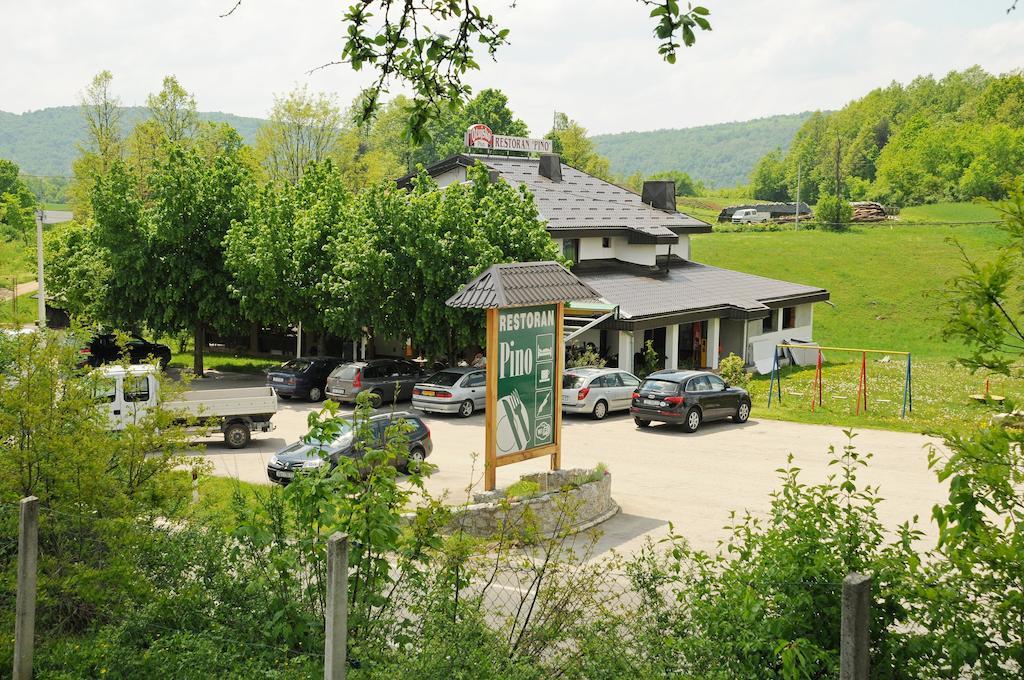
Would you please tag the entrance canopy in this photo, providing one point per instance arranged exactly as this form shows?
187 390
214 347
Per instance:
522 283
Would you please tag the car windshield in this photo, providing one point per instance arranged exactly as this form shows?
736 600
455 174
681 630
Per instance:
444 378
661 388
297 365
310 448
345 372
572 381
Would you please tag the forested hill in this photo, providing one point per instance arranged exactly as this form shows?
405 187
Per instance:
954 138
45 142
719 155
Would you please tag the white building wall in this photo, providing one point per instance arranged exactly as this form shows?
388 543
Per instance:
452 176
681 249
760 343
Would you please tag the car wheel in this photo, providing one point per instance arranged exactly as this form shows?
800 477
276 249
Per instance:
237 435
376 399
164 362
640 422
415 459
743 412
600 410
692 420
466 408
315 394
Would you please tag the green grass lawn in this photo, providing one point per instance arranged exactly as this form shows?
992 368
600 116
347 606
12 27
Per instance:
238 363
941 395
56 206
17 260
884 280
885 283
950 212
27 311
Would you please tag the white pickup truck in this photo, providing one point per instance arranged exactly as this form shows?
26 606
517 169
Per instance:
128 393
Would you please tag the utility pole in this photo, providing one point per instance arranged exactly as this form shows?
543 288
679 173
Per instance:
39 269
839 145
799 168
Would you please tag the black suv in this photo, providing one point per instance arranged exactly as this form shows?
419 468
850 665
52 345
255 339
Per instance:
688 398
104 349
299 456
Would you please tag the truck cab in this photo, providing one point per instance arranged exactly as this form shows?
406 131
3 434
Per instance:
126 394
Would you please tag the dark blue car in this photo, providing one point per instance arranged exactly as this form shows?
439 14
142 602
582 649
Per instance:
304 378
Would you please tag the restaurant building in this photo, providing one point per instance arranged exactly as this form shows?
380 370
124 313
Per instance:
635 251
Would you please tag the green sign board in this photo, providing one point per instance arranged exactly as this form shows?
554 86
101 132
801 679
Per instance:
527 351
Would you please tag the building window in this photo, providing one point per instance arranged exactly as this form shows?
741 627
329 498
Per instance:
606 242
768 323
571 249
789 317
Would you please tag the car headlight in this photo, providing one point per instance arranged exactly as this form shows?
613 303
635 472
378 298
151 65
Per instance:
313 463
274 461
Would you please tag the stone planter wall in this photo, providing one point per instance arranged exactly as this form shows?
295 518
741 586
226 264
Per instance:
560 507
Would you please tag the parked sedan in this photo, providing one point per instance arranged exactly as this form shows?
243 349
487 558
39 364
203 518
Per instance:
387 380
295 458
460 390
597 391
105 349
302 377
688 398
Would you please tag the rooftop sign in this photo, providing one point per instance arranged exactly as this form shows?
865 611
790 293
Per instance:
479 136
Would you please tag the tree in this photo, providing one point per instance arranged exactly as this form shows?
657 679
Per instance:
571 142
194 203
984 312
103 147
275 254
768 179
174 110
430 241
17 204
833 213
304 128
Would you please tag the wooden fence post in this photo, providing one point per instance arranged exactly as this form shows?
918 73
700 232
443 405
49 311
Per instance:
336 616
25 612
855 644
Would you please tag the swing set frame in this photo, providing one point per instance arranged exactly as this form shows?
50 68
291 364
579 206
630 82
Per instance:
775 384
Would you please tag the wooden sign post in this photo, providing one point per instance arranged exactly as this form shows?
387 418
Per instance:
525 358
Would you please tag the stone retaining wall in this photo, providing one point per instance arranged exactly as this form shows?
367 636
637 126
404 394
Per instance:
561 507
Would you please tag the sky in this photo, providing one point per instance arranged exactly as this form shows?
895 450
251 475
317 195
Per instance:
593 59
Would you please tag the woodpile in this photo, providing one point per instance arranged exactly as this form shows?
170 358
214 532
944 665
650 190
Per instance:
868 211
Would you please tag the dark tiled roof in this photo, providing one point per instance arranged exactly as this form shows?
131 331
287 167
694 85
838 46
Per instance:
691 286
526 283
581 200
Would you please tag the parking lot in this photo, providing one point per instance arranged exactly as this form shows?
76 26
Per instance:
659 475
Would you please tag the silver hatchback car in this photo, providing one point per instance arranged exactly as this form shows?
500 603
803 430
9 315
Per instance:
460 390
597 391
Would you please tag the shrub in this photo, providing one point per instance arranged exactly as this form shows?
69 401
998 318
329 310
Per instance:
732 371
524 488
582 357
834 213
651 362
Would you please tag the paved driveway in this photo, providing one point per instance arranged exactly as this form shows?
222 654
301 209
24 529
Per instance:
659 475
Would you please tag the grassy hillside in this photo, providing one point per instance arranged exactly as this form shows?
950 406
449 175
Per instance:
719 155
883 279
45 142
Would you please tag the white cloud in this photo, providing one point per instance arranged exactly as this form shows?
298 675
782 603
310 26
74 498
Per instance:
596 60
